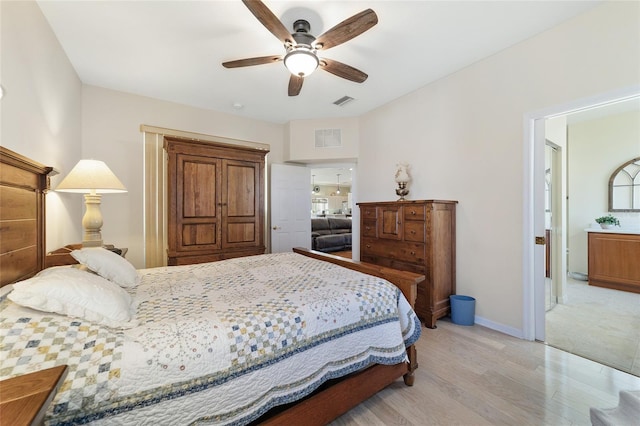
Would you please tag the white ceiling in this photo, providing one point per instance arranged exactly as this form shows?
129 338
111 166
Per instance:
173 50
328 174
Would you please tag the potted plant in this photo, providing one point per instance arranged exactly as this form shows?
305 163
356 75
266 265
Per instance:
607 221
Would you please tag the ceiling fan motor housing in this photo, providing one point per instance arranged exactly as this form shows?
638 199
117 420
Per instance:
301 26
301 33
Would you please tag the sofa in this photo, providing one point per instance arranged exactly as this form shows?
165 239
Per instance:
330 234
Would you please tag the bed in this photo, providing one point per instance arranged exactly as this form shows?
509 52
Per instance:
275 339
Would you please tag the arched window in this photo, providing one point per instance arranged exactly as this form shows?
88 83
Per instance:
624 188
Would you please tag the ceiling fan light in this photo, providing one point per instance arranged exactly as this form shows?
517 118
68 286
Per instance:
301 61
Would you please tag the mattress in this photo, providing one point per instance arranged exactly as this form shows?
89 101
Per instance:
214 343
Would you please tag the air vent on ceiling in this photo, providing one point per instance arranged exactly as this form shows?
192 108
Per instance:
343 101
328 138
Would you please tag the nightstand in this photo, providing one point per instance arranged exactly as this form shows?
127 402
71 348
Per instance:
62 256
24 399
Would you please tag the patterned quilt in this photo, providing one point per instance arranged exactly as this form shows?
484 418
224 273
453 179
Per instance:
217 343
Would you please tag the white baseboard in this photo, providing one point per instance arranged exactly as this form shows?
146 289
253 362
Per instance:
511 331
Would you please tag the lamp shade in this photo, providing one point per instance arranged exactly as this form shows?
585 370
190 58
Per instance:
402 173
91 176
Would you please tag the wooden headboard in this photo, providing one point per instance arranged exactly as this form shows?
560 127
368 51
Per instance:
23 183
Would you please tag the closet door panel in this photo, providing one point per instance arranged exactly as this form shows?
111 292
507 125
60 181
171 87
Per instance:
241 189
194 221
199 234
241 233
242 204
200 194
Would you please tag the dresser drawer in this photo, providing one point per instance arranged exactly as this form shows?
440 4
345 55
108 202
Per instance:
414 231
368 213
395 264
369 227
403 251
415 212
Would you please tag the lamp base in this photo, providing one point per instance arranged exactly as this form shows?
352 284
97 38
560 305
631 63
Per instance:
402 191
92 221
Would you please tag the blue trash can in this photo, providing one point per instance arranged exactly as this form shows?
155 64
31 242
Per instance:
463 309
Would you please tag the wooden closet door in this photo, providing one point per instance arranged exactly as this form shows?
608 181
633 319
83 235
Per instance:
196 219
241 204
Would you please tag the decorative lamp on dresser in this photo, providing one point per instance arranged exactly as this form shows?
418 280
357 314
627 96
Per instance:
417 236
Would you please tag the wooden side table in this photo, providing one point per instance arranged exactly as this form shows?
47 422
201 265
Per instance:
62 256
24 399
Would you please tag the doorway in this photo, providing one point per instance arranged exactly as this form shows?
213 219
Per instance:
570 314
534 307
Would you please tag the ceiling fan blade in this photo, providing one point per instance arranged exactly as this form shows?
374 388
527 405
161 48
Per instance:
295 85
347 29
343 70
269 20
252 61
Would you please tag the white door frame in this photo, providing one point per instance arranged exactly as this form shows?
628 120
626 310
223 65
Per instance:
558 266
533 200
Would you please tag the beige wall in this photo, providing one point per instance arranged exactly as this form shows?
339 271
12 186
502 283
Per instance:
463 136
597 148
40 114
301 143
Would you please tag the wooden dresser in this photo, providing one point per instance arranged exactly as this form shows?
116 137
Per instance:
216 201
416 236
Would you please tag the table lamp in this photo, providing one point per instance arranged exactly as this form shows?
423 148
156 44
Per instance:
402 179
91 177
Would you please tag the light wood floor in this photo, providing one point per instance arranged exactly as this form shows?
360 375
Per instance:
477 376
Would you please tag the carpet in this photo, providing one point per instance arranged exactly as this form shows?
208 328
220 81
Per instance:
599 324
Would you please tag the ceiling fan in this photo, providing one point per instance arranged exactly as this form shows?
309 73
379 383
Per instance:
301 57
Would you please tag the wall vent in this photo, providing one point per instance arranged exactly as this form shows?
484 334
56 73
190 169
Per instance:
343 101
326 138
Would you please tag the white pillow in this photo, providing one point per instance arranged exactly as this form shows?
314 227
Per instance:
108 265
76 293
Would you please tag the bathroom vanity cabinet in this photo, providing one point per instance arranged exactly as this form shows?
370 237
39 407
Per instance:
614 260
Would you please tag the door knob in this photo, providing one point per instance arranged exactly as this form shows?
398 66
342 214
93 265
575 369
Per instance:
275 228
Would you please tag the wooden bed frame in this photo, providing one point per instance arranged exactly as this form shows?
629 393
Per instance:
23 184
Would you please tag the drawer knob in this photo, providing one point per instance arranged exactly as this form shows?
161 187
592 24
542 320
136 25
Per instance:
368 245
413 231
367 228
413 253
413 212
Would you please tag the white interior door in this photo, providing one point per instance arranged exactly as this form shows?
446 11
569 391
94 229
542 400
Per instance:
290 207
